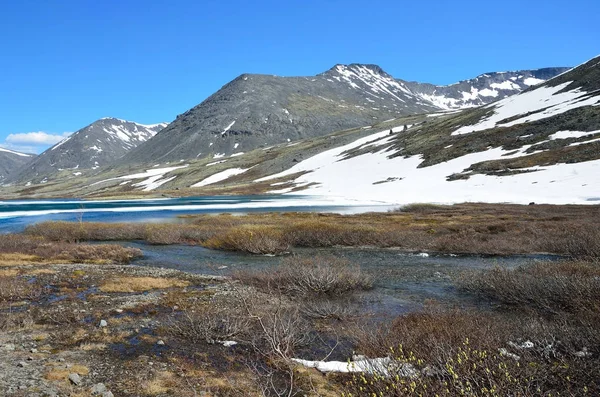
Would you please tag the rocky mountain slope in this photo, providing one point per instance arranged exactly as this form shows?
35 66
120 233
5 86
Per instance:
11 160
542 145
94 146
256 111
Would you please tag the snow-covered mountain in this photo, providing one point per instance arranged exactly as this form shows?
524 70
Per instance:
542 145
11 160
255 111
483 89
94 146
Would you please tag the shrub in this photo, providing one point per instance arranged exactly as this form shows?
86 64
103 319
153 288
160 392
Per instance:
254 239
303 276
471 353
550 287
208 325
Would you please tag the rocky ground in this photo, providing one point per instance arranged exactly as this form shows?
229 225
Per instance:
100 330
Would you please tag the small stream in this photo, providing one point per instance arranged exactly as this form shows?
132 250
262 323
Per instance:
403 282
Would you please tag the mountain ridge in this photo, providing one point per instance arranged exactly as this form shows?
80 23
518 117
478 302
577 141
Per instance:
260 110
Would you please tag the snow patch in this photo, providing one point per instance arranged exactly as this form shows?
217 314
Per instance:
220 176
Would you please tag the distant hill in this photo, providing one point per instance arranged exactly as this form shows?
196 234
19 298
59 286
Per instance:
94 146
11 161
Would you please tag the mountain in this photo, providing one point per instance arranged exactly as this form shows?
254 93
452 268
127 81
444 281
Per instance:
542 145
255 111
483 89
94 146
11 160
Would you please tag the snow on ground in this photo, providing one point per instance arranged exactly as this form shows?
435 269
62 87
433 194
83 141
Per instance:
228 128
542 102
220 176
59 144
153 177
405 183
532 81
153 182
13 152
215 162
236 154
384 366
571 134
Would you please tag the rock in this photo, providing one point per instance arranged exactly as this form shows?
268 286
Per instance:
119 311
9 347
30 358
22 364
75 379
107 394
34 350
160 343
103 324
98 389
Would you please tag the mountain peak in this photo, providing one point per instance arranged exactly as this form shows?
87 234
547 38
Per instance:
341 68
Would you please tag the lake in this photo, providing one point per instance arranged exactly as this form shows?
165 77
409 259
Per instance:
15 215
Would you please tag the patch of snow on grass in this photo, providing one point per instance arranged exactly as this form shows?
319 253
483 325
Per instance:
220 176
541 103
571 134
215 162
555 184
236 154
152 176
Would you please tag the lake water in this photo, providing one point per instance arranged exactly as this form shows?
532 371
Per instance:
403 282
15 215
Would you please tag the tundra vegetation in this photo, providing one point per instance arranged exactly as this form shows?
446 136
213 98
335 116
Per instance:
69 308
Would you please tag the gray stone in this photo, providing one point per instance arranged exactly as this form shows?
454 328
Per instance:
103 324
107 394
98 389
22 364
75 379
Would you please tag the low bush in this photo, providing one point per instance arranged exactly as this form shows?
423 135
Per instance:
549 287
470 353
305 277
209 325
254 239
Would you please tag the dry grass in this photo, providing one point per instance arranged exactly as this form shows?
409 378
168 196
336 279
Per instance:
17 259
19 249
63 373
163 382
464 228
141 284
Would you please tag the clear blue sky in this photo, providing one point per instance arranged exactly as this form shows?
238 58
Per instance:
66 63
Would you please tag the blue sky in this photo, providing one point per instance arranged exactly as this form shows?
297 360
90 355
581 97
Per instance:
66 63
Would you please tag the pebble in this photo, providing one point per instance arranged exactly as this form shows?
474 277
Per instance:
108 394
34 350
103 324
75 379
98 389
160 343
22 364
